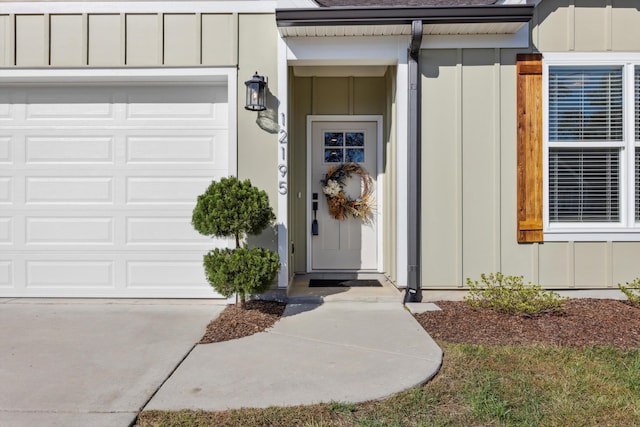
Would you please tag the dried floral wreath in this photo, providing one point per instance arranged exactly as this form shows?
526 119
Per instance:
340 205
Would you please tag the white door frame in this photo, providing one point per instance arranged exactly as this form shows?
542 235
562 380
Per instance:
379 180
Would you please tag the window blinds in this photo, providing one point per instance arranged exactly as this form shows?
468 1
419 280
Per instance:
584 185
585 104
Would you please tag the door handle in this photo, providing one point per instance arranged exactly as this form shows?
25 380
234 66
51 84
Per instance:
314 224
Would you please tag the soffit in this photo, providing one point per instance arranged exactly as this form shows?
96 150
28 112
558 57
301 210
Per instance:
395 21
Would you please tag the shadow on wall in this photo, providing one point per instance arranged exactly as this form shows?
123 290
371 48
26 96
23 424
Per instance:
267 120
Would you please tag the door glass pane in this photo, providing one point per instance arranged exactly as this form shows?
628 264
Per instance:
333 139
333 155
354 155
355 139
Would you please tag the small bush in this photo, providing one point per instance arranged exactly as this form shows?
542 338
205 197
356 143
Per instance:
632 291
241 271
508 294
234 208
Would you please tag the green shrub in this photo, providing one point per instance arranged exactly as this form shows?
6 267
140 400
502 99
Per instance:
234 208
508 294
632 291
241 271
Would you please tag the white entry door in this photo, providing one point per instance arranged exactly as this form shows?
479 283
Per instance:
349 244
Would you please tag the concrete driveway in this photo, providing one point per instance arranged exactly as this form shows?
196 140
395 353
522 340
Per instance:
91 362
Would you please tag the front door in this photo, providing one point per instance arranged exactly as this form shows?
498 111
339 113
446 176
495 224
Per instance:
343 241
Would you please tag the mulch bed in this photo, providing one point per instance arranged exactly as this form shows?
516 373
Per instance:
585 322
236 322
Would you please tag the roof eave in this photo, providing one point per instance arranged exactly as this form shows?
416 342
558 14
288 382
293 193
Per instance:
403 15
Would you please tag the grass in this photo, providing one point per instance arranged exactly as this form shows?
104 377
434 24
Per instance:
477 386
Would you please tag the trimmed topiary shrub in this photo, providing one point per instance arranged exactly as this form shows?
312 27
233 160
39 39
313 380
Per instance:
632 291
234 208
508 294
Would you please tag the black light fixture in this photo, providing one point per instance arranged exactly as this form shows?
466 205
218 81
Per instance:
256 93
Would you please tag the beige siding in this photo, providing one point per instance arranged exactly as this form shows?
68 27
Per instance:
6 33
68 46
257 132
335 96
586 26
106 51
555 262
625 26
32 40
480 145
143 39
469 158
181 39
591 267
115 40
624 261
219 39
441 168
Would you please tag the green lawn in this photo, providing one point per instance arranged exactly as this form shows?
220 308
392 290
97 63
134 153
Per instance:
477 386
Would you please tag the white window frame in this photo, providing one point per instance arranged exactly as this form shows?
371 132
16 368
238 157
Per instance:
626 229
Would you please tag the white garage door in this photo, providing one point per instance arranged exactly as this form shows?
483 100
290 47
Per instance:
97 186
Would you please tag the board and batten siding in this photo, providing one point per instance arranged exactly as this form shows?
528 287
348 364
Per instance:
469 157
119 39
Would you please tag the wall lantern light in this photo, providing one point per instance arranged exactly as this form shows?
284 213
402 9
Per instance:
256 93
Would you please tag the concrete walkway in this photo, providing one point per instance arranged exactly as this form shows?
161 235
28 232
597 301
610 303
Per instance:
337 351
90 362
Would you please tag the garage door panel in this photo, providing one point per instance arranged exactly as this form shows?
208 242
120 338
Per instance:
69 190
178 103
5 107
164 231
6 274
70 274
6 193
174 149
6 230
6 150
69 149
69 230
72 103
180 191
164 274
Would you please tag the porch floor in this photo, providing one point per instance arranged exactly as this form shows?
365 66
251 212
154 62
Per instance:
299 288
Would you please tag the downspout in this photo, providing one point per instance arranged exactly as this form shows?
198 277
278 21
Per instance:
414 291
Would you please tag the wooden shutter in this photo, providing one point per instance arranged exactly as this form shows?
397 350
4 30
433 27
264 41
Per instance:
529 79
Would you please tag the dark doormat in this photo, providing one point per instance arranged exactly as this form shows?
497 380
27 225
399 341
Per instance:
336 283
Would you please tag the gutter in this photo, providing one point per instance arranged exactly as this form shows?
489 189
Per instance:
414 284
403 15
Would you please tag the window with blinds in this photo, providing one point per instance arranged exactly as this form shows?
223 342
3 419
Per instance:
584 185
586 137
585 104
